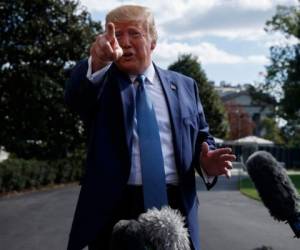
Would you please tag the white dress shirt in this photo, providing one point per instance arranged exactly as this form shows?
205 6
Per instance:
155 93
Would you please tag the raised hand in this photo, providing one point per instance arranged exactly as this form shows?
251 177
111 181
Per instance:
216 162
105 49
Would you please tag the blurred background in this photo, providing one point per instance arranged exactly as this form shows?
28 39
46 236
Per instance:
244 54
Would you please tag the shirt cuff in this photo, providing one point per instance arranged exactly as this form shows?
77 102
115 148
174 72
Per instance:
207 179
95 77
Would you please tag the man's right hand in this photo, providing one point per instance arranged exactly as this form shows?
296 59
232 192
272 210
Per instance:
105 49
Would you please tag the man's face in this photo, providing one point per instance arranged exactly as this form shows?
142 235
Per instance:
137 46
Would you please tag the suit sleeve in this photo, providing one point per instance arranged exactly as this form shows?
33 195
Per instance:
203 136
81 95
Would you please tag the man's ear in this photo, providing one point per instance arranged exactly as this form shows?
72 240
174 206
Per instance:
153 45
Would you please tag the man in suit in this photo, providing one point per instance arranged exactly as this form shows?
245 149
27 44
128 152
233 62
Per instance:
106 90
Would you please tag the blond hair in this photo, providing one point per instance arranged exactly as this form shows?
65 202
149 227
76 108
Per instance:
134 13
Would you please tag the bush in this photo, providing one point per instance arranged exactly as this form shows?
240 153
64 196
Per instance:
19 174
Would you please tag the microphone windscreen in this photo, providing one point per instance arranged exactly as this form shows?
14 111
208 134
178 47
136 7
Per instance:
275 189
127 235
165 229
273 185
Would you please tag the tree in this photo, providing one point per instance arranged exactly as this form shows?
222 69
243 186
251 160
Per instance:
272 131
40 41
292 136
240 123
284 70
214 110
260 97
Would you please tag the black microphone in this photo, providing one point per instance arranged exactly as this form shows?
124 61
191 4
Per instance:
127 235
275 189
162 229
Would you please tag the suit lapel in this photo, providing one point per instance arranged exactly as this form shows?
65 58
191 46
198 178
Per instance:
127 100
170 89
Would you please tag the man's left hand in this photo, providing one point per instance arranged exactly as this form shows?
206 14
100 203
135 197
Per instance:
216 162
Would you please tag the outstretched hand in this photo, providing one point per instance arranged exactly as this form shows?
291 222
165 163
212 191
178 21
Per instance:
216 162
105 49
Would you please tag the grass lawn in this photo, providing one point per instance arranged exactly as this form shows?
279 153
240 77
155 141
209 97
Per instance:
247 187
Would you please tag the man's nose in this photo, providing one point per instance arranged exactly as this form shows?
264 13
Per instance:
124 41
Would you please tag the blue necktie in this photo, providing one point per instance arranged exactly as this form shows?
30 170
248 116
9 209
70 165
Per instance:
152 165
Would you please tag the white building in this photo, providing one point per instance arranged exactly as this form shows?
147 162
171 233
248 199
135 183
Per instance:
237 95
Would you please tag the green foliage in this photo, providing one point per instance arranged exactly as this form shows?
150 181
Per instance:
292 134
40 41
284 70
19 174
272 131
212 105
260 96
247 186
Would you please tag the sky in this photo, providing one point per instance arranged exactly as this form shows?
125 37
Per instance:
227 36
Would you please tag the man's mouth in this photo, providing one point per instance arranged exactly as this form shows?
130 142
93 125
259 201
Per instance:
127 55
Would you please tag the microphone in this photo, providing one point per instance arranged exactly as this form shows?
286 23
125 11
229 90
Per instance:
275 189
156 229
127 235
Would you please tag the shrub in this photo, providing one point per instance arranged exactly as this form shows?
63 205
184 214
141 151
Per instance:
18 174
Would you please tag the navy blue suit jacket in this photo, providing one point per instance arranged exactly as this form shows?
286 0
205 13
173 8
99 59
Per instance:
107 110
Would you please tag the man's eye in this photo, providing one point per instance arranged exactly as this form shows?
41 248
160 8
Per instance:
135 34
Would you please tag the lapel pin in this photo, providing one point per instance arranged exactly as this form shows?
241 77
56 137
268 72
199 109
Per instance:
173 87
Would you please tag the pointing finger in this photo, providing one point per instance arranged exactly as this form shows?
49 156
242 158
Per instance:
110 31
